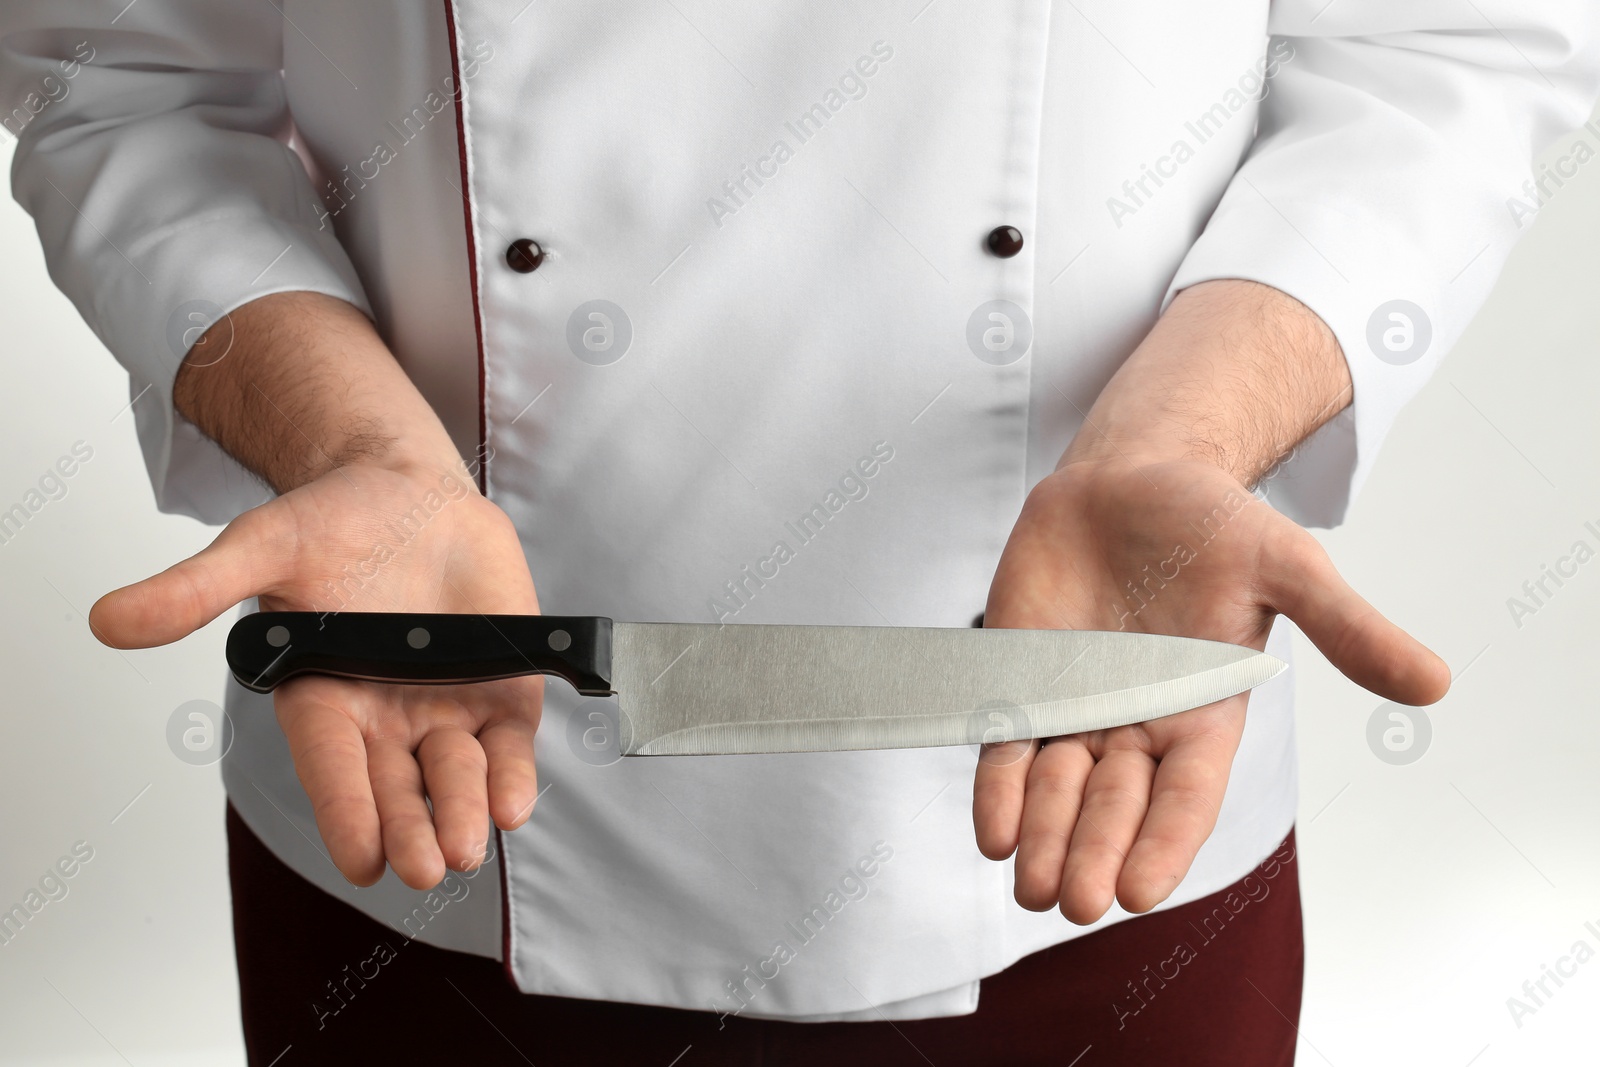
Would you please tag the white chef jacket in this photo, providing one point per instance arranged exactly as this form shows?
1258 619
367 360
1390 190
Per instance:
783 208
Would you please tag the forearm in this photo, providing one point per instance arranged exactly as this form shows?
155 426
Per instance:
1235 373
294 385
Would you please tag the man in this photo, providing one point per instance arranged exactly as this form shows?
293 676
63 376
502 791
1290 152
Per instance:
796 314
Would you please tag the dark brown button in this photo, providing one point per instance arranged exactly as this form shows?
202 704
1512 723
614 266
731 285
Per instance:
1004 241
524 255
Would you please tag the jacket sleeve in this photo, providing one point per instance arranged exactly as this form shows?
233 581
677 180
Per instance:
1386 186
153 155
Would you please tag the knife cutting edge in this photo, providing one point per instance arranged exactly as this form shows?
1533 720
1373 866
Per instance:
704 688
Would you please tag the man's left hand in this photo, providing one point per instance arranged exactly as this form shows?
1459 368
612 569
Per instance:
1174 547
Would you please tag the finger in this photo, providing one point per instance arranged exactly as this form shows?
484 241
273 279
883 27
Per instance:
454 769
409 841
1114 804
1185 797
513 781
241 563
998 789
1053 796
331 760
1371 651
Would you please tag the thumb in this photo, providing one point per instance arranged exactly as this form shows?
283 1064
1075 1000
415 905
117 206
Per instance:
1302 583
239 564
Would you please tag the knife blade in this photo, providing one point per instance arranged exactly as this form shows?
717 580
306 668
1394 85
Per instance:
704 689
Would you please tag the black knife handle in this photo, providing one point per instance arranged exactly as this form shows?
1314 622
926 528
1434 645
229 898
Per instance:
268 647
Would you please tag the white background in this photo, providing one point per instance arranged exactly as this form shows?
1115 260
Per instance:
1431 891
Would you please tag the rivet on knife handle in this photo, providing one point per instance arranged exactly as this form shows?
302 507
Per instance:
268 647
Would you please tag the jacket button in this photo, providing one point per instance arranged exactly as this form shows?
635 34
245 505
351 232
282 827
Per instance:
524 255
1004 241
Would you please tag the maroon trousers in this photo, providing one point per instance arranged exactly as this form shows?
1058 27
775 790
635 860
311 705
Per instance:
1215 981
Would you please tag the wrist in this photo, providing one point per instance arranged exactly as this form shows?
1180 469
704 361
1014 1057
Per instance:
305 387
1234 374
432 465
1106 442
402 436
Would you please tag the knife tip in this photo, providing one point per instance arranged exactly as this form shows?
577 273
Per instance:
1273 666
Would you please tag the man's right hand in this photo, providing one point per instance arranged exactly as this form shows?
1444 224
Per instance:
395 524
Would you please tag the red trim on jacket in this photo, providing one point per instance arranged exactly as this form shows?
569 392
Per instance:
483 415
482 458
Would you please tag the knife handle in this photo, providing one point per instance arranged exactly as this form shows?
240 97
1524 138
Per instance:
268 647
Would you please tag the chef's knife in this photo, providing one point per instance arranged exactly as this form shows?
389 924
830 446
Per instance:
700 689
